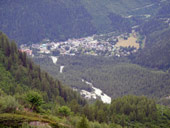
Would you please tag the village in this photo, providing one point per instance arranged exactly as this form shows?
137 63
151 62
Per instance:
96 45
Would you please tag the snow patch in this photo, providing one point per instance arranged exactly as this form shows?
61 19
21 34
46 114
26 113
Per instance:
105 98
61 69
88 83
88 95
147 15
95 93
54 59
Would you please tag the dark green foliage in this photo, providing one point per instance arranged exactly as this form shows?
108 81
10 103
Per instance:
156 51
7 81
8 104
83 123
35 20
22 73
32 21
64 111
2 92
114 76
165 10
130 111
137 108
35 99
118 21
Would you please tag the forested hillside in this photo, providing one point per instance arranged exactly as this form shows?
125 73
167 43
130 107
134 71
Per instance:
19 74
156 53
136 84
32 21
115 76
29 97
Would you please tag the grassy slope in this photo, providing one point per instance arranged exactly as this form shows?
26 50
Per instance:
14 120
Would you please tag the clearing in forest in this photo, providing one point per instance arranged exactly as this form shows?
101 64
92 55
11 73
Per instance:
130 42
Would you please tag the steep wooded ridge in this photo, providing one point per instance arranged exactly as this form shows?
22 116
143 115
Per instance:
26 82
32 21
19 74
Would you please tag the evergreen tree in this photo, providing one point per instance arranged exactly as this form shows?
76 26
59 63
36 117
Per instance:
83 123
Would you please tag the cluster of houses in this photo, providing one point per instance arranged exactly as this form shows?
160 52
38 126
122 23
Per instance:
93 45
27 50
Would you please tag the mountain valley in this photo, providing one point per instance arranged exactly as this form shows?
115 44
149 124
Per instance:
85 64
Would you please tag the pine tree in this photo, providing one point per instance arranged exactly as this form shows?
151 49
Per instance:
83 123
13 48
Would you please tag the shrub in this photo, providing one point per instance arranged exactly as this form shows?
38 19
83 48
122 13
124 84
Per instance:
25 125
35 99
83 123
2 93
8 104
64 111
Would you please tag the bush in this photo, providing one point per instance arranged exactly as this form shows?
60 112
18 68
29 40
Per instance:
2 93
64 111
83 123
8 104
25 125
95 125
35 99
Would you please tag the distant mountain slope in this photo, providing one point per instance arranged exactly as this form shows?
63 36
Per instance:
120 7
156 53
100 10
32 21
114 77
